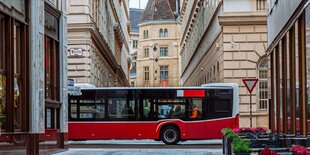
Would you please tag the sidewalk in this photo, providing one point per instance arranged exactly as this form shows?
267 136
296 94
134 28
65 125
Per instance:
141 152
142 142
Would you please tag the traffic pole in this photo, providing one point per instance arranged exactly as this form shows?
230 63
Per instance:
251 110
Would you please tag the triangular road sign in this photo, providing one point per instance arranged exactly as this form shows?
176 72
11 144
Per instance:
250 84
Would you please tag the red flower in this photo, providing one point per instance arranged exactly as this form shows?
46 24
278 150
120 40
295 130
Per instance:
299 150
267 151
236 130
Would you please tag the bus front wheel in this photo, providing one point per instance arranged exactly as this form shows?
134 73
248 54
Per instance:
170 135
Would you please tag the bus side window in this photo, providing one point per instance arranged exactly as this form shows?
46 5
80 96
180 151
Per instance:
195 108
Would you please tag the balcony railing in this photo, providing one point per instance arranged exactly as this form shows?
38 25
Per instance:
261 5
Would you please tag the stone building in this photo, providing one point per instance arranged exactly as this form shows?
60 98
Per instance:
33 76
158 52
135 17
289 54
226 41
98 40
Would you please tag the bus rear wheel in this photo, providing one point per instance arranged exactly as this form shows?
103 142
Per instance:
170 135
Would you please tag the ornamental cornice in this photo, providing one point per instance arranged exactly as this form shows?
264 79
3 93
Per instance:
257 17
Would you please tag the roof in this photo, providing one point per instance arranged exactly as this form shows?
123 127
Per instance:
159 10
135 16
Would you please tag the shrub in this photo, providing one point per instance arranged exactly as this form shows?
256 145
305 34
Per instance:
226 130
241 146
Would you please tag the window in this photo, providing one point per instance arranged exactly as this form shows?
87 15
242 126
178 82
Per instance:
161 33
87 109
261 5
166 33
2 72
164 51
146 74
163 72
308 64
263 84
120 109
145 34
219 103
17 75
13 75
135 44
195 108
73 108
146 52
51 69
171 108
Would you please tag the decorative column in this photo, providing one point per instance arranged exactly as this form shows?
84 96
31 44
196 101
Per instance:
63 75
37 85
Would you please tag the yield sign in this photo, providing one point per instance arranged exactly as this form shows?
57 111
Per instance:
250 84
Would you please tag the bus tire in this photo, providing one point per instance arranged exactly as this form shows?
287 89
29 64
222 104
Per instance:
170 135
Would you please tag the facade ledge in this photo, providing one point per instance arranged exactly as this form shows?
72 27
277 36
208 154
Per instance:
152 22
243 18
151 39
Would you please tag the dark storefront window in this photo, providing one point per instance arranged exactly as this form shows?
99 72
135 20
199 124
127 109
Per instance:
2 74
17 76
288 88
307 12
13 75
52 67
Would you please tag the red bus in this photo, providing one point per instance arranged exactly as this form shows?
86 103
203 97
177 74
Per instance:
167 114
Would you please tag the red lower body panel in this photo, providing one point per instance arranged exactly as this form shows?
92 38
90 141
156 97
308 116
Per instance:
206 129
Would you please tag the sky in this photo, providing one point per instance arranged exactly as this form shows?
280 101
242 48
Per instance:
135 3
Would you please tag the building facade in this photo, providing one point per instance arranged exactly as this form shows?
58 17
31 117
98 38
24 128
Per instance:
158 52
135 17
289 54
226 41
33 77
98 37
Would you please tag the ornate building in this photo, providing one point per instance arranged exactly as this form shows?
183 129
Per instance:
158 52
33 76
135 17
226 41
98 40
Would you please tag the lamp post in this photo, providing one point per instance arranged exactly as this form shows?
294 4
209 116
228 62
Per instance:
200 77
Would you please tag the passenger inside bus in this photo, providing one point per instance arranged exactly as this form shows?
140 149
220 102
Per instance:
177 113
195 112
127 110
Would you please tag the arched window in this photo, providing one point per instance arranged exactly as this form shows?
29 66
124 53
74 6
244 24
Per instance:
161 33
263 77
166 33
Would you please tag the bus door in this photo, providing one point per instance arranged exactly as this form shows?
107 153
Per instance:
195 123
219 106
147 125
122 114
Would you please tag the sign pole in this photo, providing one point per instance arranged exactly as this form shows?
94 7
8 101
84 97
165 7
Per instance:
250 85
251 110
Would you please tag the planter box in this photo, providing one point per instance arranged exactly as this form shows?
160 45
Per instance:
241 153
228 148
226 145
